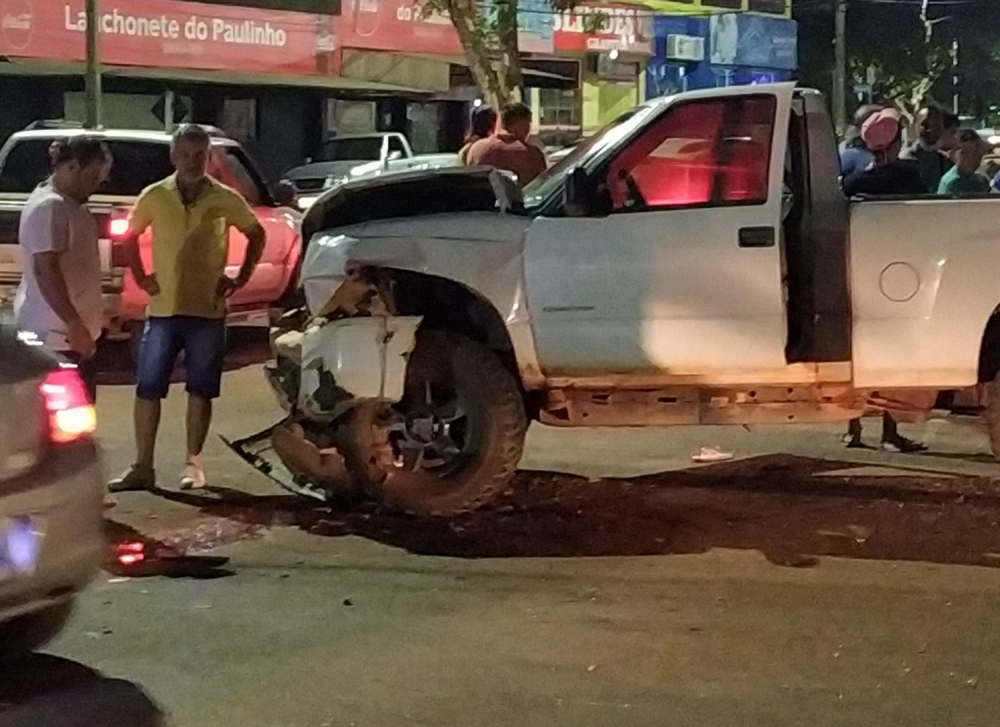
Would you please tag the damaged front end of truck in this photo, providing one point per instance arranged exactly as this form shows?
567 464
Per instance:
399 385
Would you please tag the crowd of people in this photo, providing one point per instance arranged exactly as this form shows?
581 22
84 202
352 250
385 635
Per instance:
943 158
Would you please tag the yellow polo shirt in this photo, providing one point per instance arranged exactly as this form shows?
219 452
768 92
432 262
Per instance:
190 244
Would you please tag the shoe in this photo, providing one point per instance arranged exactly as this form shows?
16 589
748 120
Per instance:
902 445
193 477
134 479
852 442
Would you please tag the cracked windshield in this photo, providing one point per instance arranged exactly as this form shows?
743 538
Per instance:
416 362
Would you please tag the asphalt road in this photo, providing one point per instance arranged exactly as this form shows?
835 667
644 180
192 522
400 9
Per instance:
616 585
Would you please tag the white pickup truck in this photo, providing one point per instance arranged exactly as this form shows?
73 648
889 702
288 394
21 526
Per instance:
693 263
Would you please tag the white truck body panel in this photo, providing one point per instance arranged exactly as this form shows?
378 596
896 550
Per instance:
924 283
481 251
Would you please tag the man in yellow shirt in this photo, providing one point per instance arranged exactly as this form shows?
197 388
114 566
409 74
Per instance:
190 215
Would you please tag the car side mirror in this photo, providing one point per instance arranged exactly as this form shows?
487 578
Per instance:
395 156
285 193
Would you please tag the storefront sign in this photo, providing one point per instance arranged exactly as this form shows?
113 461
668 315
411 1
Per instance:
754 41
396 25
170 33
604 27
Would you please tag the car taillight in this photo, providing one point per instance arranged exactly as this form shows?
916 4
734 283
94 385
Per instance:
118 229
71 412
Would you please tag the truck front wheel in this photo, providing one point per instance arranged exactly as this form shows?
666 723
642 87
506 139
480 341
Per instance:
453 442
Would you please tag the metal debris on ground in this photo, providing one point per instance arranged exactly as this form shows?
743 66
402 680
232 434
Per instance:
711 454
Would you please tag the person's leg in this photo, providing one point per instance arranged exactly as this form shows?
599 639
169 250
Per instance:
853 437
157 356
205 352
893 441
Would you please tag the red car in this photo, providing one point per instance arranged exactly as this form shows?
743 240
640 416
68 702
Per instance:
140 159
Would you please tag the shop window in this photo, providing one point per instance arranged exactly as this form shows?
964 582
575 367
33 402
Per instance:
701 153
558 108
239 118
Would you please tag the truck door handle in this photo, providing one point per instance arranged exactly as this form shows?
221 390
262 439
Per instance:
756 237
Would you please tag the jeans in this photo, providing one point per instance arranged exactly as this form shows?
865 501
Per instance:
203 341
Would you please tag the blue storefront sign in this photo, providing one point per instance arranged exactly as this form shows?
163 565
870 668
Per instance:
738 39
723 50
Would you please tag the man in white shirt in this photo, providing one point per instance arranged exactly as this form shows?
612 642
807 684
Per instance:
59 299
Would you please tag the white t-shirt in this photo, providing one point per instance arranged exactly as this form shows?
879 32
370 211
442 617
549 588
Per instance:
52 222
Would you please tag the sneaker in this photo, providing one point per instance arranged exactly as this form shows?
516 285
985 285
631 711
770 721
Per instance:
852 442
193 477
135 478
902 445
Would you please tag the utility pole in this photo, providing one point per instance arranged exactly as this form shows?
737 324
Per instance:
954 77
92 82
840 65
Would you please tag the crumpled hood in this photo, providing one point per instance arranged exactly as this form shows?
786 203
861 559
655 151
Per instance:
412 194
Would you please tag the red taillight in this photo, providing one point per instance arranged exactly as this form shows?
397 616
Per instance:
118 227
130 553
71 412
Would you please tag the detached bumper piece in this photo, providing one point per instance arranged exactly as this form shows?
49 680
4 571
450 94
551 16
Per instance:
319 375
260 452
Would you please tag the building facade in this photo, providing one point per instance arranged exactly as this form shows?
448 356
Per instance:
720 49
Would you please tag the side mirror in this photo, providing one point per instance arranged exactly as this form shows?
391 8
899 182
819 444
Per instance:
285 193
578 194
395 156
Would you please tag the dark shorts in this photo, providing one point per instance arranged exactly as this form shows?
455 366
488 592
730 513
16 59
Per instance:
203 341
86 367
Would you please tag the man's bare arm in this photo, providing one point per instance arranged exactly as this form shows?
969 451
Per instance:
256 240
52 285
144 280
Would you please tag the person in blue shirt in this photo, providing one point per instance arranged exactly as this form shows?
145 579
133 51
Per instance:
855 156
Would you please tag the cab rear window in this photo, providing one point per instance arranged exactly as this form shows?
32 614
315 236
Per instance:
136 165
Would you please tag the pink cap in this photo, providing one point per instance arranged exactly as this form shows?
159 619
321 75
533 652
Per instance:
881 129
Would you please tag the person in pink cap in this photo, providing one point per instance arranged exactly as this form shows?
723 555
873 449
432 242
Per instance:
882 133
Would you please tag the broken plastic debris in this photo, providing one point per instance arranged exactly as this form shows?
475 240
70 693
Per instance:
592 668
711 454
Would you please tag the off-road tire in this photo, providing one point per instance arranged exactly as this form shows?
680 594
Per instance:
24 634
494 398
992 414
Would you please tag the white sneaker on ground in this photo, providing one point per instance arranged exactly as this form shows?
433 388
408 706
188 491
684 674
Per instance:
193 477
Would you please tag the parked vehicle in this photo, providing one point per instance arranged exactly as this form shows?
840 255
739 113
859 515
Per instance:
660 274
359 156
51 494
141 158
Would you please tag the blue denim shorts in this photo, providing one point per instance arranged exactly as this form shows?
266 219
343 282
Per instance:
203 341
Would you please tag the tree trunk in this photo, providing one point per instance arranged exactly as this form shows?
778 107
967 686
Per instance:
499 82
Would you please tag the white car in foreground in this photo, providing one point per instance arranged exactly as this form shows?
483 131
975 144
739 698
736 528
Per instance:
51 495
